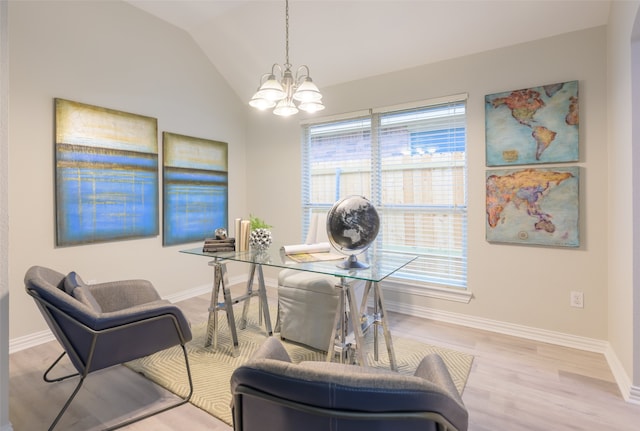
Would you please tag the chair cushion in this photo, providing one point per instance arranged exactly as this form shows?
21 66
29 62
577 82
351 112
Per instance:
71 281
310 281
82 294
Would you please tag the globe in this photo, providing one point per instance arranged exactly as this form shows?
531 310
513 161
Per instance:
352 225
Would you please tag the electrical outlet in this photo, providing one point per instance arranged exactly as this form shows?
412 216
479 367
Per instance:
577 299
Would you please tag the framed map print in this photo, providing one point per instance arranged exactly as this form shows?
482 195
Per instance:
196 188
533 125
106 174
533 206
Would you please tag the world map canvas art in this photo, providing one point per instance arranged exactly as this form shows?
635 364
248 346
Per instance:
533 206
533 125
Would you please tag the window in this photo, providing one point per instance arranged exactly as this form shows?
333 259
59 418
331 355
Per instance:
411 163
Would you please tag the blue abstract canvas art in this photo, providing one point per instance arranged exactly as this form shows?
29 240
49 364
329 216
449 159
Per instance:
195 181
106 174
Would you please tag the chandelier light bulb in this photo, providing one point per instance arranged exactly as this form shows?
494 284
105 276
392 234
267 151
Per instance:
285 108
271 89
311 107
307 92
261 103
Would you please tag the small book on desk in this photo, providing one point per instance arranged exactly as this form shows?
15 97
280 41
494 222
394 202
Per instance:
311 252
212 245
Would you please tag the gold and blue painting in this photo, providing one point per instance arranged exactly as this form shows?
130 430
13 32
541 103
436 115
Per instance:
106 174
533 125
534 206
196 188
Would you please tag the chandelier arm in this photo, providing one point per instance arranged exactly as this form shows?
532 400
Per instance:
263 79
278 67
300 73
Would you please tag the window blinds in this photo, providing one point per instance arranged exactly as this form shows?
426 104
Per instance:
411 163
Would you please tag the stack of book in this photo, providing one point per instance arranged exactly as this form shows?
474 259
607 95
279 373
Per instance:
212 245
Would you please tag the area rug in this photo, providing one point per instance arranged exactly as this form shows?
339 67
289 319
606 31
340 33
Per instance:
211 369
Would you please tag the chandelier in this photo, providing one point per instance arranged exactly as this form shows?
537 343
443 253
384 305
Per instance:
281 89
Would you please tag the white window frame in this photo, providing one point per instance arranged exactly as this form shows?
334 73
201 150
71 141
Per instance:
419 288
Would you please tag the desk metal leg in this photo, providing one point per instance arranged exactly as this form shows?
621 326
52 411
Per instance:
380 317
228 306
339 323
354 318
364 314
343 323
339 343
212 323
220 279
245 308
264 306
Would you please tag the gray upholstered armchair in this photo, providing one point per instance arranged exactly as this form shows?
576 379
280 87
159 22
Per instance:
105 324
269 392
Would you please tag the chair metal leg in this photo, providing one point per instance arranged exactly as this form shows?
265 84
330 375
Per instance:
66 405
164 409
59 379
129 421
46 378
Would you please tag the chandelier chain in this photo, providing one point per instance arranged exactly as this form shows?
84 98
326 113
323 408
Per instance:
287 34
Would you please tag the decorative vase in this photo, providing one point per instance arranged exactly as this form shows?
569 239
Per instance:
260 239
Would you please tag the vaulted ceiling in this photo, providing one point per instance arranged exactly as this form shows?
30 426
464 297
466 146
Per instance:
345 40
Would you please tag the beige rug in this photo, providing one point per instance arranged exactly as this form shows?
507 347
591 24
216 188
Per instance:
211 370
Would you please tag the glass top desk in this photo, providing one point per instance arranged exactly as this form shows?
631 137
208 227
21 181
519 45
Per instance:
381 265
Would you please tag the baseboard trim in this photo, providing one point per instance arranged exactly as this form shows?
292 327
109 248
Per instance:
31 340
634 395
206 288
189 293
630 393
531 333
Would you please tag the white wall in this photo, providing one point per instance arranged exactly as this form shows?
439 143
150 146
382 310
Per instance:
635 108
621 196
518 285
113 55
5 425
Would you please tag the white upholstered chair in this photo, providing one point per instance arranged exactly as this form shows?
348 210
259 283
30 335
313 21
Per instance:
308 302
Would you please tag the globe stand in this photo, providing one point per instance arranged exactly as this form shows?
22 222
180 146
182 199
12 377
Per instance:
352 262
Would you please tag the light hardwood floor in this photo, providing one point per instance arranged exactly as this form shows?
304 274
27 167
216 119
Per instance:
515 384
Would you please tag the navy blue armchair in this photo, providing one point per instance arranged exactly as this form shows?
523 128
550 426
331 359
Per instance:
271 393
106 324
